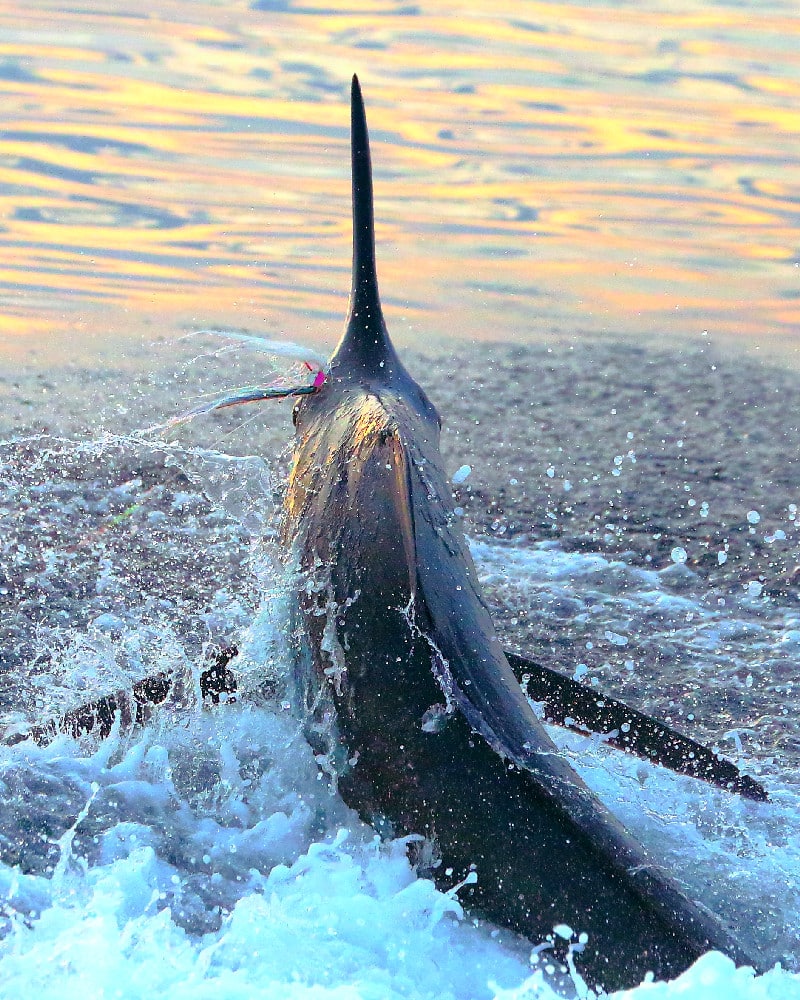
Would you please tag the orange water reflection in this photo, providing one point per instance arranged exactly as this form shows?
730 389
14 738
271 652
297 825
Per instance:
540 168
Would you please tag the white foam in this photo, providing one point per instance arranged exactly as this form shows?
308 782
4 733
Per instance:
213 861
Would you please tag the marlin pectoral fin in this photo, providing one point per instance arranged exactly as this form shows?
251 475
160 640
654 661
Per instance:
134 706
575 706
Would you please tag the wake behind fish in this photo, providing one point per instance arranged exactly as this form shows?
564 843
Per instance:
205 853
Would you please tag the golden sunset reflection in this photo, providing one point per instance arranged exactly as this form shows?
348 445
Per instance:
541 169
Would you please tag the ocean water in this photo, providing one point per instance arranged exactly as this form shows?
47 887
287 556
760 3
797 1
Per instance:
204 854
542 169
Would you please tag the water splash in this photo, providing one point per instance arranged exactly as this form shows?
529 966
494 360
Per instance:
204 852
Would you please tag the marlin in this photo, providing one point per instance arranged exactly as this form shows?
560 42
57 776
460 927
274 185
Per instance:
407 696
404 684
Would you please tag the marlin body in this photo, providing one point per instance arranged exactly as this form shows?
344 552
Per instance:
405 687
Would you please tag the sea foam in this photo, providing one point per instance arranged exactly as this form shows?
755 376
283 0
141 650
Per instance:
205 855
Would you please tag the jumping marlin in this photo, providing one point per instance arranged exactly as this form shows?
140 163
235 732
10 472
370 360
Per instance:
406 689
407 694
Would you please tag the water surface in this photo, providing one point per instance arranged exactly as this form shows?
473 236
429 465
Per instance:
542 171
540 168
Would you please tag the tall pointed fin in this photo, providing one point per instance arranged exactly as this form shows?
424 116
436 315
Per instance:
365 279
365 351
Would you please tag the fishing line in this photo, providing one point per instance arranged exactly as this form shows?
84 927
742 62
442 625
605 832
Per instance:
281 388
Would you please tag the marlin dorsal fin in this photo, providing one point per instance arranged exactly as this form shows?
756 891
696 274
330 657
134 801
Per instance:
365 342
364 289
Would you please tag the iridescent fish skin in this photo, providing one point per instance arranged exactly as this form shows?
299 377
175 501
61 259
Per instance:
407 694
